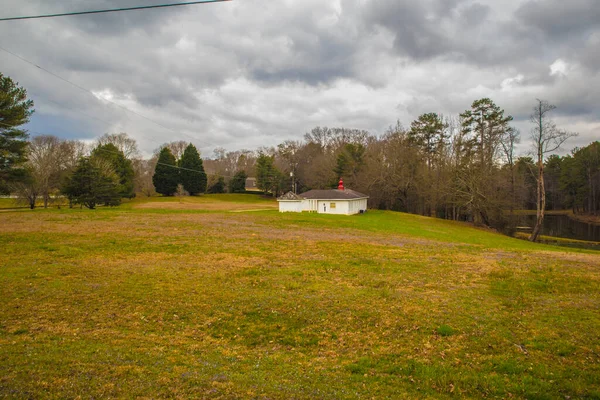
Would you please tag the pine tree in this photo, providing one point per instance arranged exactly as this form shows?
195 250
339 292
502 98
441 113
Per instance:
166 175
15 111
349 163
428 134
89 185
217 185
268 177
121 166
486 122
192 175
237 184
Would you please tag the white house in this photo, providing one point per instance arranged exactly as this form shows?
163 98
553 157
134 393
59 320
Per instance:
290 202
334 201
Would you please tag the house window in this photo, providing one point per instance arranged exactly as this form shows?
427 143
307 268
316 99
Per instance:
331 205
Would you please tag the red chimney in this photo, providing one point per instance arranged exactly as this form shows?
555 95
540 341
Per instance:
341 185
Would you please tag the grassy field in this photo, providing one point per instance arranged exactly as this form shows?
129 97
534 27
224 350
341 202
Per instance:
223 297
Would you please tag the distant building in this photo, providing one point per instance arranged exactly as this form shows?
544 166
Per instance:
334 201
251 185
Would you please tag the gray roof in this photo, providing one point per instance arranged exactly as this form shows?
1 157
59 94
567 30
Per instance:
333 194
289 196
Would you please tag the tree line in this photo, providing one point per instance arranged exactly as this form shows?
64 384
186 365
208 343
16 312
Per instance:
462 167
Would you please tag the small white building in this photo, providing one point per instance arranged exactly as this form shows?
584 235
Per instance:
290 202
333 201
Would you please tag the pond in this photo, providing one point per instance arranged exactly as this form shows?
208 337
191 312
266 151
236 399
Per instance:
563 226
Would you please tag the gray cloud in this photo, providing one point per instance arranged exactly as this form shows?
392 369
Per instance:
246 74
559 20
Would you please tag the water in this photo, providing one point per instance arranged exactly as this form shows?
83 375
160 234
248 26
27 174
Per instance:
563 226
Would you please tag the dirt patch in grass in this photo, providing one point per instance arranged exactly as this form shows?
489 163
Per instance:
209 206
589 259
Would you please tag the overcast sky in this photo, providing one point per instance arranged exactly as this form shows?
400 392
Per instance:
250 73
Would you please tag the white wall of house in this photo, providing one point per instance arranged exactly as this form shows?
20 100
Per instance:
344 207
309 205
290 206
333 207
357 205
341 207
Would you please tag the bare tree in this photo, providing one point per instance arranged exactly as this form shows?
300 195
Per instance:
71 152
510 138
177 148
45 165
27 190
144 169
546 138
49 160
122 142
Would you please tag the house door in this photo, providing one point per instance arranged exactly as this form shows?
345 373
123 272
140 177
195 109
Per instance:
324 207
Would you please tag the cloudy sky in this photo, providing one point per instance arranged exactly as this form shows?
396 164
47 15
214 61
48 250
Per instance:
250 73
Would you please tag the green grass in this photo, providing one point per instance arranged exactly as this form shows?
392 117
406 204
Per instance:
197 301
7 203
12 203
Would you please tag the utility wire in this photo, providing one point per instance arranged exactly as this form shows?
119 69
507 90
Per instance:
188 3
107 151
119 153
154 140
97 96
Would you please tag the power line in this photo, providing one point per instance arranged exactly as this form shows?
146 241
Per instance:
189 3
152 139
119 153
101 97
107 151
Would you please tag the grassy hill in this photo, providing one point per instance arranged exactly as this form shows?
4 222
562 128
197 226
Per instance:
223 297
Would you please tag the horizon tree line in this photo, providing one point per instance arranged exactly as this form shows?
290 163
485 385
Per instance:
460 167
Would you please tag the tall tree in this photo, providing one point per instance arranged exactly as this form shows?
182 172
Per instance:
546 138
143 172
90 185
590 162
288 157
581 179
483 127
268 177
508 141
192 175
166 174
45 165
350 162
121 166
552 173
15 110
428 132
487 124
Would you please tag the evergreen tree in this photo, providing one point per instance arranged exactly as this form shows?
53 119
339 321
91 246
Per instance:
349 163
15 111
166 175
428 134
121 166
487 125
217 186
237 184
192 175
89 185
268 177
